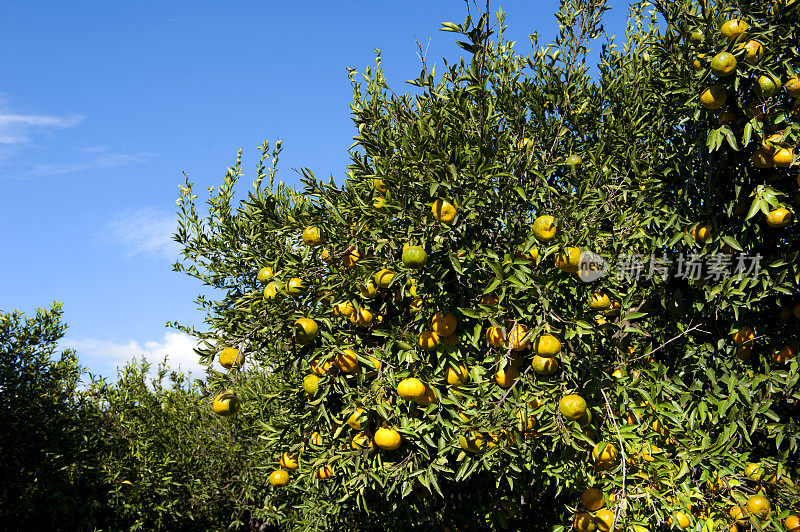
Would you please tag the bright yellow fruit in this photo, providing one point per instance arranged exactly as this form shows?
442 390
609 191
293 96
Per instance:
226 404
411 389
230 357
547 346
289 462
278 478
456 376
572 406
311 235
713 97
544 228
443 211
387 439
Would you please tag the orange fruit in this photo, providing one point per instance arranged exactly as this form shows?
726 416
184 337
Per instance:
739 515
544 228
289 462
783 157
383 278
311 235
568 259
604 519
786 353
362 318
572 406
525 144
713 97
605 458
311 384
495 336
574 161
319 367
362 441
489 300
354 421
544 366
265 274
758 505
584 522
411 389
278 478
324 472
593 499
273 289
793 87
723 64
701 233
754 471
734 29
679 520
753 51
414 257
505 377
779 218
792 523
379 185
305 331
351 257
518 339
226 404
428 340
296 286
345 308
456 376
599 301
744 335
428 397
346 361
315 439
230 357
443 211
766 86
547 346
444 324
387 439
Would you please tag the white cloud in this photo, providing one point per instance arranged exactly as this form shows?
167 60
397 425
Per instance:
98 162
146 231
19 128
104 357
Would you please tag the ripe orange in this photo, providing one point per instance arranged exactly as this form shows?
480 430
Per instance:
387 439
305 331
547 346
444 325
744 335
604 519
265 274
226 404
739 515
701 233
296 286
786 353
753 51
793 87
278 478
584 523
428 340
783 157
723 64
345 309
311 236
346 361
411 389
315 439
324 473
273 289
679 520
362 441
605 459
713 97
383 278
505 377
351 257
456 376
311 384
443 211
230 357
792 523
572 406
362 318
428 397
761 159
544 228
593 499
758 505
544 366
489 300
754 471
495 336
289 462
354 421
568 259
518 338
599 301
734 29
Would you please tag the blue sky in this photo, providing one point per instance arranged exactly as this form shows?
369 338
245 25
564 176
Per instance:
104 104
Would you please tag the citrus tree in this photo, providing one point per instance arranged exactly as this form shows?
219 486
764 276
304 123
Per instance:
546 288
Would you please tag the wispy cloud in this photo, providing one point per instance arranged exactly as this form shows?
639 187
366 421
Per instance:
104 357
146 231
19 128
95 163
